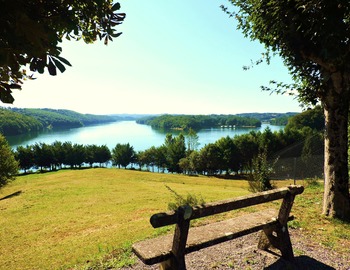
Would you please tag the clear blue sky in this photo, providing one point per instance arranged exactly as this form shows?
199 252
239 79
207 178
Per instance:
173 57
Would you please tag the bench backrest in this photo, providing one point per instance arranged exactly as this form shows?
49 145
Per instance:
208 209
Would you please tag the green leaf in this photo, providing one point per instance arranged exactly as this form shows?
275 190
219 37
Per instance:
5 95
59 65
116 35
52 68
116 6
15 86
65 61
41 70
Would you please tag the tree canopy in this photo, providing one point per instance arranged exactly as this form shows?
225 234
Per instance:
31 31
8 163
312 37
20 121
186 122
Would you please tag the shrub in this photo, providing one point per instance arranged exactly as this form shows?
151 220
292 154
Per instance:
190 199
259 179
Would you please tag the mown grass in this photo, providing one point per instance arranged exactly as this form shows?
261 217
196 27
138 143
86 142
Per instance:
323 231
63 219
88 219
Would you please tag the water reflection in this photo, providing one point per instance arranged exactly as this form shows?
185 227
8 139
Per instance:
141 137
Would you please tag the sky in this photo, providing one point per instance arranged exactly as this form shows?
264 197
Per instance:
174 56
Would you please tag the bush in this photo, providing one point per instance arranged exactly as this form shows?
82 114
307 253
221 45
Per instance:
191 200
259 179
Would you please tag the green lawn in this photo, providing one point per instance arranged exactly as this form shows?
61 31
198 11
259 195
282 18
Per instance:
61 219
72 219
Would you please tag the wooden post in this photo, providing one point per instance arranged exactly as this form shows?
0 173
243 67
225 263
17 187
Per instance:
278 235
177 261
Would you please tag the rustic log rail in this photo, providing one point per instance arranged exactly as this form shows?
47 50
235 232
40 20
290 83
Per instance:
170 250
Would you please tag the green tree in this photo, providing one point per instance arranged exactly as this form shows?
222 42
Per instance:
123 155
175 150
32 30
43 155
248 147
313 118
8 163
229 154
140 159
78 154
59 153
25 157
102 154
259 179
312 37
192 140
68 154
210 158
150 157
161 157
90 151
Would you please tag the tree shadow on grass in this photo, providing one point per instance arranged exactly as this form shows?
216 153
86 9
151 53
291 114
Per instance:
300 263
11 195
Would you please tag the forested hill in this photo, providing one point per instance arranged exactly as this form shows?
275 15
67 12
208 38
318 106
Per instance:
16 121
280 119
198 121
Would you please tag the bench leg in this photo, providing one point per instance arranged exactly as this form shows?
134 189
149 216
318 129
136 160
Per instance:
278 237
173 264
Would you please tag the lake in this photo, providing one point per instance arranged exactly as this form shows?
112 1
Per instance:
141 137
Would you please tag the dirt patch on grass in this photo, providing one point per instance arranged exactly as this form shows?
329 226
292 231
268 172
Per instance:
242 253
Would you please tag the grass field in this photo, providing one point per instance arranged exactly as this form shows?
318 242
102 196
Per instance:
72 219
60 219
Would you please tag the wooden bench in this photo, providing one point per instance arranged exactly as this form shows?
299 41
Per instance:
170 250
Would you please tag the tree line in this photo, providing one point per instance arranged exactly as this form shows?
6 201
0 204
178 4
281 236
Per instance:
15 121
185 122
181 153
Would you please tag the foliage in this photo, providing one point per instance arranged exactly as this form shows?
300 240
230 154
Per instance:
13 123
186 122
273 118
25 157
190 199
58 154
32 30
259 179
299 33
20 121
312 118
280 121
192 139
226 155
123 155
175 150
312 38
8 164
313 182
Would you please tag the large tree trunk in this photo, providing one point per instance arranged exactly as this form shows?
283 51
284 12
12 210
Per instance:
336 201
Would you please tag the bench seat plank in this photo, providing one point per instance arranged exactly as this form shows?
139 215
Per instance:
156 250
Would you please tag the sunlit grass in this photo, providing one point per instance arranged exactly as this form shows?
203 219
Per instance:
66 218
72 219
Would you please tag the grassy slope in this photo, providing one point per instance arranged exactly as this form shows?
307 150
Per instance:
65 218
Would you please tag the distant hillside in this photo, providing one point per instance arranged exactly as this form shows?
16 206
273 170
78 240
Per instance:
15 121
185 122
280 119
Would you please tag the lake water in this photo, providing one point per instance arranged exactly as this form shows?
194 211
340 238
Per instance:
141 137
